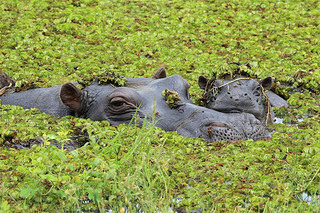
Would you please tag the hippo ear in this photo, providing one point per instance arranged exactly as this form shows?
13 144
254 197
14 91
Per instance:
266 83
161 73
71 96
202 82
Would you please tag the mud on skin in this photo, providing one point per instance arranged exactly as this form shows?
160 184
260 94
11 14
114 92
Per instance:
141 97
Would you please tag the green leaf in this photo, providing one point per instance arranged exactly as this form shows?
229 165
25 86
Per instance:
22 169
61 155
49 177
4 207
26 192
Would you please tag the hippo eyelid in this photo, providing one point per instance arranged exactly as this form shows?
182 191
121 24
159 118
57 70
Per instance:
127 96
121 101
117 101
257 90
119 105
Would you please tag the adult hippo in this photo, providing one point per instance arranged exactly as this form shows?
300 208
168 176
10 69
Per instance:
241 94
147 98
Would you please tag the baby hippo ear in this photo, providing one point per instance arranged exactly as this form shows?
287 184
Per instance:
72 97
266 83
161 73
202 82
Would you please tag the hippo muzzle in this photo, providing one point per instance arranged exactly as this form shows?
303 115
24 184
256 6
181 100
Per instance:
215 126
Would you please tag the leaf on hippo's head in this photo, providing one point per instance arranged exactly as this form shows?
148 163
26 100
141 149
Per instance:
235 70
105 78
111 78
172 98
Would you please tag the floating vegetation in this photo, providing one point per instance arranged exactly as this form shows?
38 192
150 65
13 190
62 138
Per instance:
47 43
172 98
105 78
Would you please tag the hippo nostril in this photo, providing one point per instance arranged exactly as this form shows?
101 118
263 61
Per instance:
230 97
245 94
228 93
216 124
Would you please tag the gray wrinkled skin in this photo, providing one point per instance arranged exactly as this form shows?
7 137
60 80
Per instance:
235 96
47 100
143 97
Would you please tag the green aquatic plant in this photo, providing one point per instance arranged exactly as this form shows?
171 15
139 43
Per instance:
172 98
104 79
46 43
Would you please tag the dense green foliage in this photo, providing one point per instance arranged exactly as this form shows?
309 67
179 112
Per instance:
46 42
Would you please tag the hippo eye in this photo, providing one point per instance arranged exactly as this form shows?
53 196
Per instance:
257 91
119 104
123 100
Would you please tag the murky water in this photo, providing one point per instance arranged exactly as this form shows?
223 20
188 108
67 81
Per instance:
310 199
280 120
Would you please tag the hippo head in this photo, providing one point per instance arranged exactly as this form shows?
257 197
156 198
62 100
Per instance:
140 96
237 95
144 98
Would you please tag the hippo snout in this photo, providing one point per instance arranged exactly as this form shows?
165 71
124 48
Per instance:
239 97
215 126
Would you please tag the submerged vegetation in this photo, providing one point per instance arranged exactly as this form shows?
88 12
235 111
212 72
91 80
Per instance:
124 168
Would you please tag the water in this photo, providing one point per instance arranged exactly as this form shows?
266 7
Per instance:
310 199
280 120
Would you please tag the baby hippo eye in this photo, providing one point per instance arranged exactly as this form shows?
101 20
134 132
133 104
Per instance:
257 91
